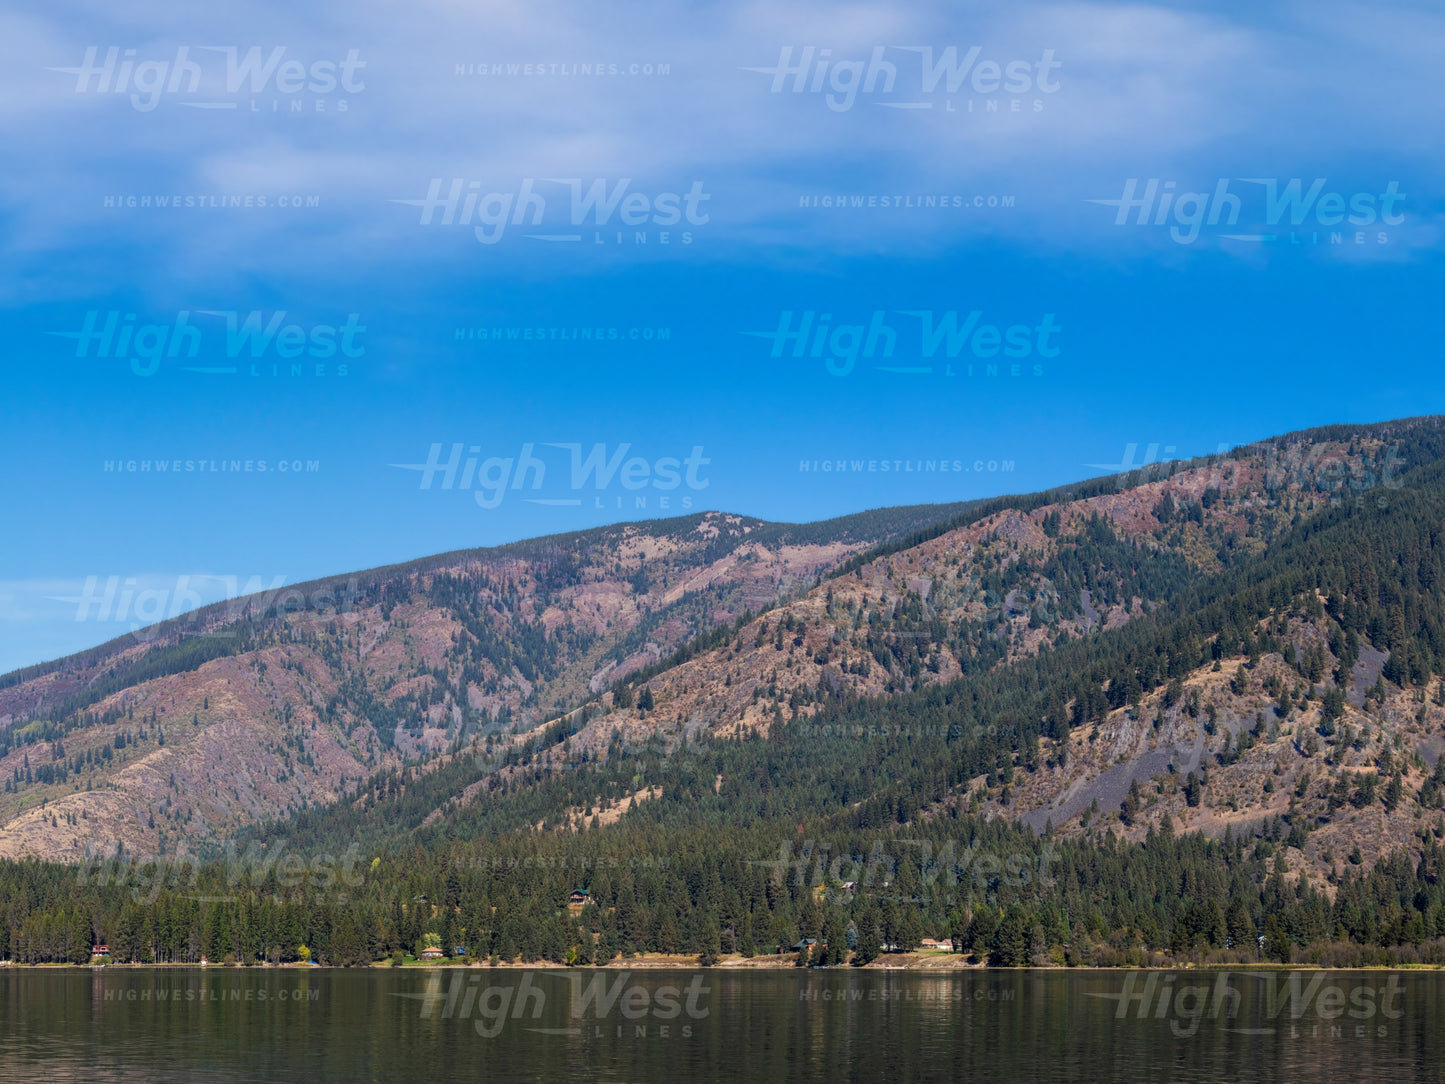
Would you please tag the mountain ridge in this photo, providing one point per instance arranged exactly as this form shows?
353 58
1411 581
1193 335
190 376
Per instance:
1207 697
482 648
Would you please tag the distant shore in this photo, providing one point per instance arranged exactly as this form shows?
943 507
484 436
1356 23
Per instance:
903 961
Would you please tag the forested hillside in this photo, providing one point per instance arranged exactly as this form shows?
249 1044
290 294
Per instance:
1172 712
313 687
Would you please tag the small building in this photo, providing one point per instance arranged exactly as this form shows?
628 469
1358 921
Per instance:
579 897
459 950
100 950
431 952
928 944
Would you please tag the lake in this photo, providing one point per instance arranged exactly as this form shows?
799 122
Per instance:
231 1024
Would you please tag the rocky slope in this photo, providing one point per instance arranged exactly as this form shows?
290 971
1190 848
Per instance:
246 711
239 715
1248 744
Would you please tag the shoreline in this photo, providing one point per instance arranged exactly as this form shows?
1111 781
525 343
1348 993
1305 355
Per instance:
947 963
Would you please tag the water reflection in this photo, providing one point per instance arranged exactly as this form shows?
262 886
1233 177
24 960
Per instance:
230 1024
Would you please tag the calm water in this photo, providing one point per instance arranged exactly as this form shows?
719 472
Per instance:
676 1026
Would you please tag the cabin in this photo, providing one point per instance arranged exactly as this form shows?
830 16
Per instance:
579 897
431 952
928 944
100 950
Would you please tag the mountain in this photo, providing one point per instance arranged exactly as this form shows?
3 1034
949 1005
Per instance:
1015 605
250 709
486 668
1203 702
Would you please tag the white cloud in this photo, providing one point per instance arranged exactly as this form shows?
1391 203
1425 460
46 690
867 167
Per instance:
1144 90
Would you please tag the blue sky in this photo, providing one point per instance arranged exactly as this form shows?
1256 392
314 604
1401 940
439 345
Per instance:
645 197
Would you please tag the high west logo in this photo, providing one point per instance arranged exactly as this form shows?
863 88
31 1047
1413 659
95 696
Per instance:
148 875
942 335
952 81
1291 212
490 479
256 336
603 1004
260 81
610 212
142 601
952 866
1289 1007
